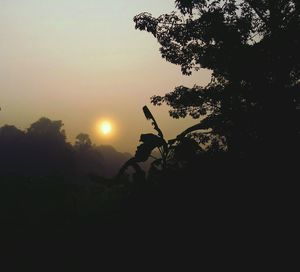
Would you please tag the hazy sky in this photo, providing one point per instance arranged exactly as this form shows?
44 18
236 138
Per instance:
80 61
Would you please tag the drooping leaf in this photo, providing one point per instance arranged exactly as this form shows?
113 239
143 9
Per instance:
143 152
149 142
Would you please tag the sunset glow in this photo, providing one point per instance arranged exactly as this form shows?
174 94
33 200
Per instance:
105 127
65 57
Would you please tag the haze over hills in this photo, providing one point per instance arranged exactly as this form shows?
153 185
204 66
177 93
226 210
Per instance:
112 160
43 150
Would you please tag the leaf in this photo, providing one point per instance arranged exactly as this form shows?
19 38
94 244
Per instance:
150 142
200 126
147 113
143 152
172 141
149 116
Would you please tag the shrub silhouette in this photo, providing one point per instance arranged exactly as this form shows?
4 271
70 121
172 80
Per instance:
171 152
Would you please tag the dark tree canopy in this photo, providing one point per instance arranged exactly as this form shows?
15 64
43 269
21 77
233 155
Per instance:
47 129
43 150
252 49
83 140
10 133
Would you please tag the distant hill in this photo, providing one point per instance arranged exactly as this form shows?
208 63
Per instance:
112 160
42 150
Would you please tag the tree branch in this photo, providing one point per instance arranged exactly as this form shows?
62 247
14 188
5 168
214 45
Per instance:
191 129
258 13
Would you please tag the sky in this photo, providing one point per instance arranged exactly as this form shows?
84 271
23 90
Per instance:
82 61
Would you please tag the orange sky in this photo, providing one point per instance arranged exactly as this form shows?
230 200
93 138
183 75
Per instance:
83 61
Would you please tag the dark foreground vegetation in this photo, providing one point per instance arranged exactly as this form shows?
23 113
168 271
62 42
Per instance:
234 169
45 178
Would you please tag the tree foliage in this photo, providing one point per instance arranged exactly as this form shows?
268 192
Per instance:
45 128
83 141
252 49
43 150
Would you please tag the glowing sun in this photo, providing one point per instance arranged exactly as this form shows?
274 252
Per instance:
105 128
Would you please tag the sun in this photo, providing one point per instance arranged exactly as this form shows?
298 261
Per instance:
105 128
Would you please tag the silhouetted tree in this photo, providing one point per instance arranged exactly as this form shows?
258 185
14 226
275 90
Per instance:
47 149
252 48
12 142
83 141
42 149
44 128
10 132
